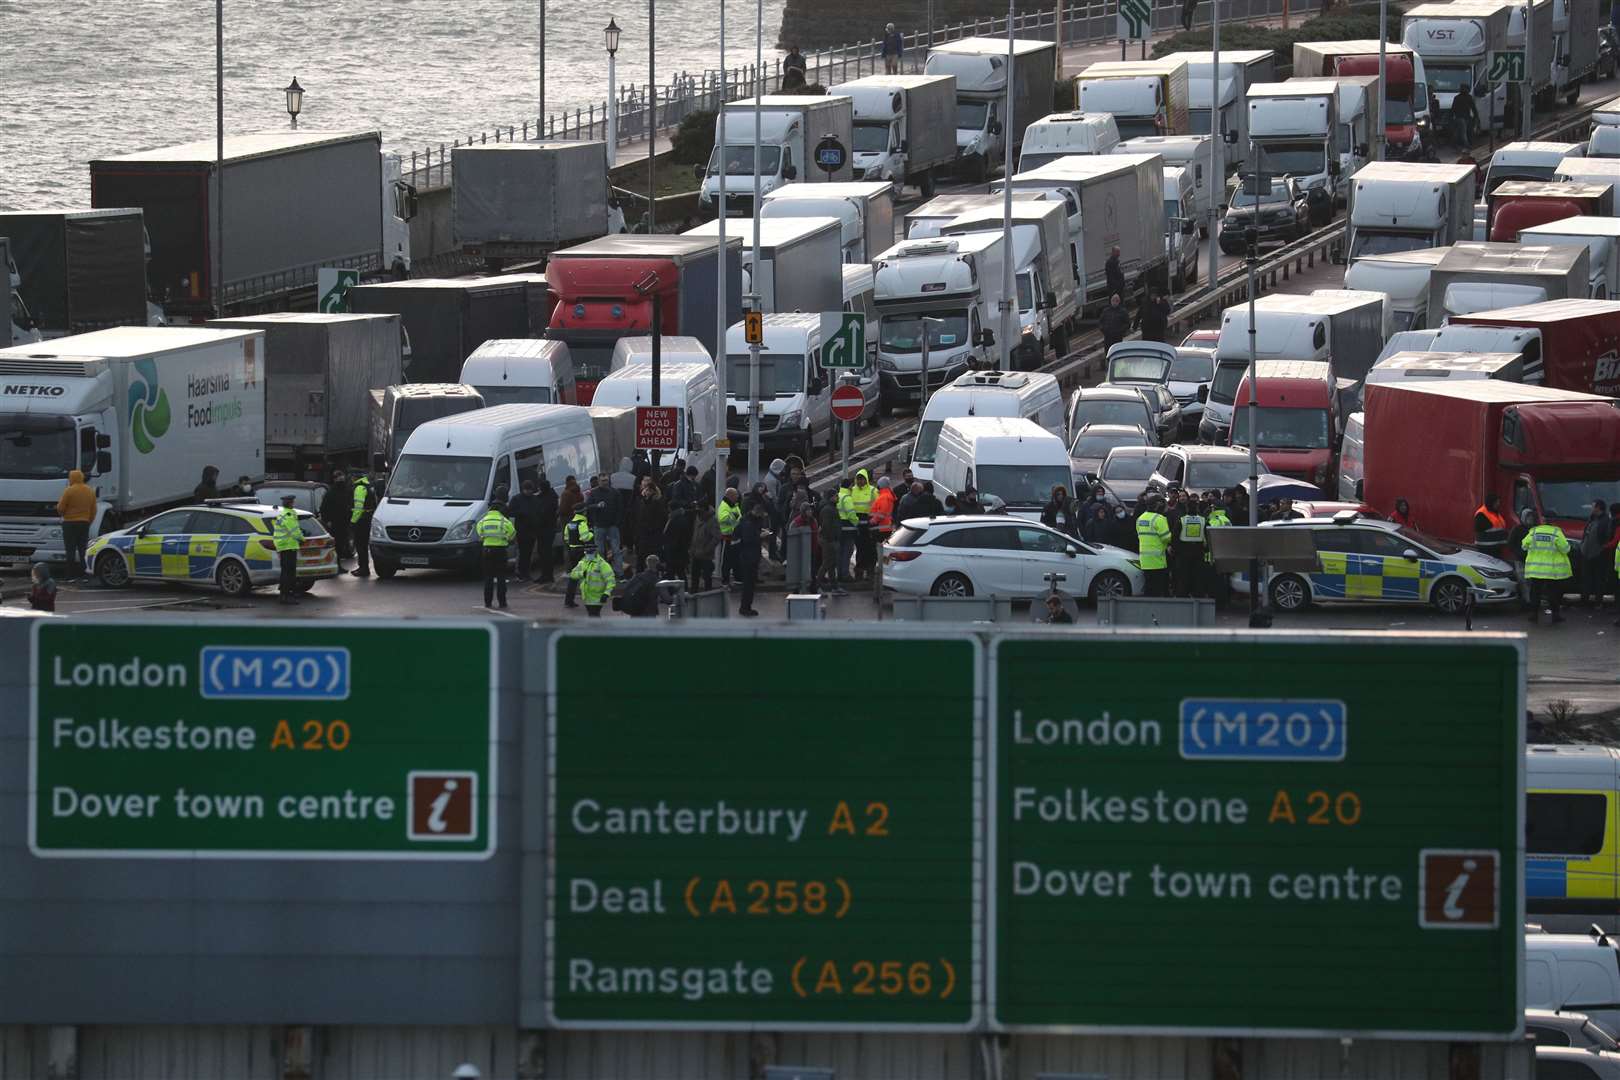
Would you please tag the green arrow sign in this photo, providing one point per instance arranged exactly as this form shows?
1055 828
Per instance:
847 348
235 740
1251 835
333 285
1506 66
791 851
1135 20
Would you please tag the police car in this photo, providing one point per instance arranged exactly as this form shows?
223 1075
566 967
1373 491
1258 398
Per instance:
228 543
1362 559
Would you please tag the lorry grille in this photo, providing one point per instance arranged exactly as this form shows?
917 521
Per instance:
415 534
46 365
27 510
737 422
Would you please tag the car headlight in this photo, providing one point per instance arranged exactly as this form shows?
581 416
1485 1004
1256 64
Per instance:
377 530
1500 575
791 418
460 532
875 172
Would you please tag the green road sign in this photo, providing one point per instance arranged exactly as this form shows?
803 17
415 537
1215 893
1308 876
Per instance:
1135 20
236 740
846 348
333 285
1506 66
790 847
1222 835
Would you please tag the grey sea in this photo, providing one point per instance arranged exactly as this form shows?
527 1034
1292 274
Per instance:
81 79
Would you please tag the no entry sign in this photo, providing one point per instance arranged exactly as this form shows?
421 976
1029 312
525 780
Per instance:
847 402
657 427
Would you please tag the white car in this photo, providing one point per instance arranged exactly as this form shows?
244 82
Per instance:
994 555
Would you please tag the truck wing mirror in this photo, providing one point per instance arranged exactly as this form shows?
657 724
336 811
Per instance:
103 442
1051 300
1362 150
699 173
103 462
995 127
905 146
378 463
1188 227
1360 497
789 172
987 337
1203 393
1333 168
1231 138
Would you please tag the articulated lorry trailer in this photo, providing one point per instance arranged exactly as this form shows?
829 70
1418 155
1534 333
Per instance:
526 200
81 270
294 201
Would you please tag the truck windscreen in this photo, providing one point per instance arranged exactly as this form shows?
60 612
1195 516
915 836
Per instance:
1292 159
740 159
36 447
426 476
872 138
1572 499
1371 243
902 333
970 115
515 395
1137 127
1198 121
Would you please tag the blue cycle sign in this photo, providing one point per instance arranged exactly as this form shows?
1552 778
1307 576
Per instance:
830 154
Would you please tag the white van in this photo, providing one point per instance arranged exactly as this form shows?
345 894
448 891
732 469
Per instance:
671 349
521 371
450 469
1008 460
1031 395
685 383
1061 134
795 392
1575 972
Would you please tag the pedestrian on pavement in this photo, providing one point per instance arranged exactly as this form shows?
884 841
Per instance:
1464 117
967 501
1546 566
677 542
706 537
1115 273
545 535
1190 549
524 511
362 505
652 514
1123 529
1188 8
42 588
910 504
893 46
593 577
685 489
750 532
775 473
604 512
1096 528
77 508
1154 316
861 497
334 513
640 596
1060 513
496 532
1152 542
882 513
568 501
729 514
288 535
793 69
577 540
830 526
208 486
1595 558
1114 322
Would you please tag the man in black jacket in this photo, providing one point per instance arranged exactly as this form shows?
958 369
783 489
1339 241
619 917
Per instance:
334 512
746 540
525 514
1114 322
1154 316
1115 272
545 530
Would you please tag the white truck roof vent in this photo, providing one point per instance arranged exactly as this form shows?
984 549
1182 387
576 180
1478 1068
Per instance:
941 246
1007 380
45 365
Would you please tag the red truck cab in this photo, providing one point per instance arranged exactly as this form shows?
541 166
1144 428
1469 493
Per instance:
1297 428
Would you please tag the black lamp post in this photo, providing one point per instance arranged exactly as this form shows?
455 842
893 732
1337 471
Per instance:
295 100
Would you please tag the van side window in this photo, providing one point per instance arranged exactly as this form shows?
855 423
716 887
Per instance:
1320 338
1559 823
1546 1036
503 475
531 465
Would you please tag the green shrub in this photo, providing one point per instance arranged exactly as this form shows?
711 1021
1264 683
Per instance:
694 139
1339 26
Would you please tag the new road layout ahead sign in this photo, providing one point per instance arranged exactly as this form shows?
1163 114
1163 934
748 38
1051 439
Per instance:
789 855
291 740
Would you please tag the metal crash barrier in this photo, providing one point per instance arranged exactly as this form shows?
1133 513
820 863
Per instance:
1150 611
952 609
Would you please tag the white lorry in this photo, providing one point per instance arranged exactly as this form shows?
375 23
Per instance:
1061 134
800 261
865 210
1601 238
1404 277
1406 91
23 327
1181 221
140 410
980 68
1456 40
1485 277
1043 273
1406 205
1147 97
1240 69
1114 201
903 126
1293 127
790 126
1191 152
1538 16
931 217
1358 119
948 288
1575 47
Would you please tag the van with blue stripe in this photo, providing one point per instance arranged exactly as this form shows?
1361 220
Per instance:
1572 796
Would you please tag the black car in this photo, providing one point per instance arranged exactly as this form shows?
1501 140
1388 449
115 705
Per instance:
1279 213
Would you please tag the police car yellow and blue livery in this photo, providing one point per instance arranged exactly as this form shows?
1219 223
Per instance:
226 543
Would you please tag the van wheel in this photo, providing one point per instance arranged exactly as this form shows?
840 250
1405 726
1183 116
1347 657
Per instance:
952 584
1449 595
1290 593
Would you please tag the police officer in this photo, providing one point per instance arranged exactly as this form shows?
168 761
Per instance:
361 508
288 535
496 532
1190 549
861 497
1152 540
577 539
729 515
1218 518
848 519
1546 566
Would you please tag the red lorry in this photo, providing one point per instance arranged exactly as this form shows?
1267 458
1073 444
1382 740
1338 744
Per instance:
605 290
1444 447
1579 347
1400 121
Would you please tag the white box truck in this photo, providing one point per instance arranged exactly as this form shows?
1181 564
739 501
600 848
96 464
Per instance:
1294 128
865 210
790 126
1486 276
903 126
1456 40
1358 120
800 261
1043 273
1240 69
1406 91
1538 15
1192 152
1407 205
526 200
980 68
948 287
1575 47
140 410
1147 97
1601 238
931 217
1404 277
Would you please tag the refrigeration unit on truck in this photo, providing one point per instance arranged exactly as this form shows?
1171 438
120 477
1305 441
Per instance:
931 217
1406 94
1407 205
1114 200
1519 204
1191 152
1404 277
1294 128
444 319
140 410
295 201
1240 69
1601 238
980 68
1575 47
790 126
81 270
903 126
949 288
801 265
865 210
1059 135
1043 274
605 290
525 200
1483 277
318 371
1456 40
1147 97
1579 345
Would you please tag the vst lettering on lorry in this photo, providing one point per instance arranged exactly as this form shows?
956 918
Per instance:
22 390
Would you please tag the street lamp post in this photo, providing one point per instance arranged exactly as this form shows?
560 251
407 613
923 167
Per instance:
610 35
652 117
295 100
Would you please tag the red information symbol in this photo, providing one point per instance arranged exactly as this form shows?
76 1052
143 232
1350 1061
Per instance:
442 806
1457 889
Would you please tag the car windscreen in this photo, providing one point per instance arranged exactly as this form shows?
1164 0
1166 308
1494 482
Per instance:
1097 446
515 395
1110 412
431 476
1217 474
902 333
1129 466
37 447
780 375
1022 486
1283 428
1194 368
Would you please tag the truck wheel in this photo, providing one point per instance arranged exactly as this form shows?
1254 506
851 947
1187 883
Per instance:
233 579
927 185
384 570
112 570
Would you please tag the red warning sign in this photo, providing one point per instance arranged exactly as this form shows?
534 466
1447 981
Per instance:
657 427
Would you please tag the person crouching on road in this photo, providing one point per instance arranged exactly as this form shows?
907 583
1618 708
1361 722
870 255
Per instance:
496 533
594 576
288 536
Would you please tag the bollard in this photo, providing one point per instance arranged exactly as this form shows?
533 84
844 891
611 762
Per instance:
798 556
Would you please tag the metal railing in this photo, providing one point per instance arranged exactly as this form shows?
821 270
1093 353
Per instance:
1082 24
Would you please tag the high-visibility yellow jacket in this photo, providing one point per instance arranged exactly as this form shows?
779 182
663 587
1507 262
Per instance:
728 516
288 534
362 488
1546 554
595 578
1152 538
495 529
